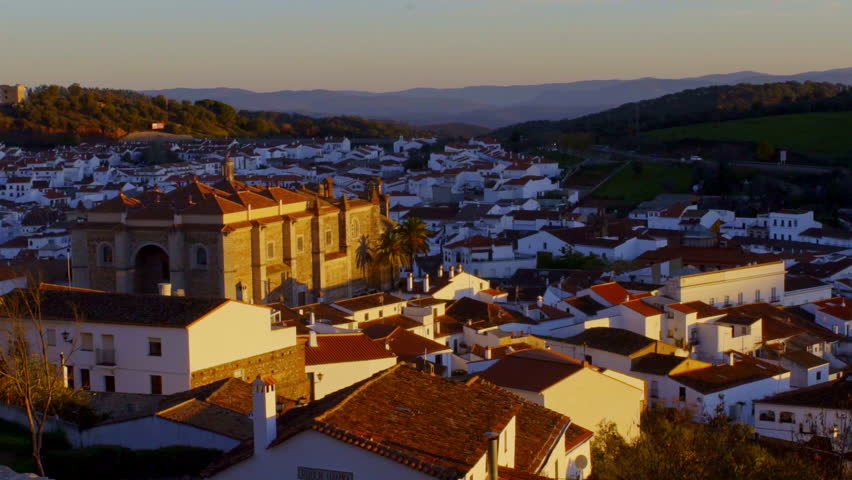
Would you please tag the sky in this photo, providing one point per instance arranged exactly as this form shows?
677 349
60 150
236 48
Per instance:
387 45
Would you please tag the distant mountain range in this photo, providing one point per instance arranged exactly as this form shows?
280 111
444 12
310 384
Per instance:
489 106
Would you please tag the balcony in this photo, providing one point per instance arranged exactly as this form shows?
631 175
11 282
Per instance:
105 356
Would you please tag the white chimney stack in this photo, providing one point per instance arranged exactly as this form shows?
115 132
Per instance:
426 283
263 414
409 286
313 318
440 271
460 268
539 301
452 271
488 353
165 289
731 359
312 339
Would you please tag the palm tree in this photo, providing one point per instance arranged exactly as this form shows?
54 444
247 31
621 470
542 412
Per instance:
391 250
364 254
415 238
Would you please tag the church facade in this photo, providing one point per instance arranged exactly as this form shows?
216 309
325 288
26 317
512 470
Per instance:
231 240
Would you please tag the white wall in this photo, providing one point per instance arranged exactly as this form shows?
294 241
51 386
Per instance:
822 420
235 331
713 287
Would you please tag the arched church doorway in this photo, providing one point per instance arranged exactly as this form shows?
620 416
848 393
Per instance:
152 268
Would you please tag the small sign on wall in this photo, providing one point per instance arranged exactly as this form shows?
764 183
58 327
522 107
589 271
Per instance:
305 473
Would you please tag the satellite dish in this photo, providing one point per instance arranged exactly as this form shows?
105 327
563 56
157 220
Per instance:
581 462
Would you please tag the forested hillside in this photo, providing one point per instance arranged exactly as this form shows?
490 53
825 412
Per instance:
700 105
54 111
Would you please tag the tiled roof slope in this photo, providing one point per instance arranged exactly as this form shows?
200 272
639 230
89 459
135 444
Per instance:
122 308
428 423
532 370
344 347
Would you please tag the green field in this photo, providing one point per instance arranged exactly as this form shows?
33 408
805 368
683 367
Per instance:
652 180
820 133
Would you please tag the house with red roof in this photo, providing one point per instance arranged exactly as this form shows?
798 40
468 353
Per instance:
552 380
337 360
401 423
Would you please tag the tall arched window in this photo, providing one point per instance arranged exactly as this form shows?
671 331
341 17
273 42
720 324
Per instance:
105 254
199 259
356 229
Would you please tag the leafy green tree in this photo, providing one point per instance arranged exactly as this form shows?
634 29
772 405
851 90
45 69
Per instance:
391 250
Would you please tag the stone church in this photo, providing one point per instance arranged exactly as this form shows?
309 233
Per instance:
232 240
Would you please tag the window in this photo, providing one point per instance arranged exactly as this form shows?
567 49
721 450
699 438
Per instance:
712 301
155 347
105 254
199 259
381 313
743 330
87 342
51 337
757 295
681 394
366 316
819 376
774 294
85 379
727 300
767 416
740 298
300 243
787 417
356 229
270 250
156 385
109 383
69 374
328 238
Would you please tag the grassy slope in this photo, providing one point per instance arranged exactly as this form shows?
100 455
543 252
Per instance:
823 133
653 180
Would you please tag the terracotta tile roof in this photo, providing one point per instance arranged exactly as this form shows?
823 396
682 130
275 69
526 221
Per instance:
657 363
833 394
703 309
123 308
804 358
681 307
576 436
533 370
585 304
642 308
615 340
722 377
843 312
483 315
402 414
344 347
211 418
612 292
404 344
369 301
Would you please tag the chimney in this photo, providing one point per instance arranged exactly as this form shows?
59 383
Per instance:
312 339
165 289
313 319
730 358
493 455
426 283
263 413
526 310
440 271
409 283
488 353
460 268
452 271
539 301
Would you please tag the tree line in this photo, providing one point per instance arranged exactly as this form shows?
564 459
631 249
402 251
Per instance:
63 112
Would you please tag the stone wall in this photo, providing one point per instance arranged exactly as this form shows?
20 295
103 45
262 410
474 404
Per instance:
287 366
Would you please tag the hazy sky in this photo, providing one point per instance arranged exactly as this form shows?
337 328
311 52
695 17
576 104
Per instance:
395 44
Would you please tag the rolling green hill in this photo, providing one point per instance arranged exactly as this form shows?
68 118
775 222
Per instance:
53 112
820 133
